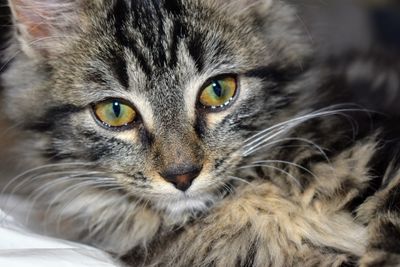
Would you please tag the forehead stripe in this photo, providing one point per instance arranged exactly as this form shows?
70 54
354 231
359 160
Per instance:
178 33
148 19
120 16
119 68
195 47
173 6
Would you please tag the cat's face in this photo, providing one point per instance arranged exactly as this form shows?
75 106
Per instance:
161 95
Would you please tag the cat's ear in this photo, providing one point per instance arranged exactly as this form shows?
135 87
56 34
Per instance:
44 26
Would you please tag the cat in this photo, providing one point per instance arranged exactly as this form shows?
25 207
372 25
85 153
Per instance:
201 133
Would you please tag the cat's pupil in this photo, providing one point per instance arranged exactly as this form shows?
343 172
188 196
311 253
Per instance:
117 109
217 89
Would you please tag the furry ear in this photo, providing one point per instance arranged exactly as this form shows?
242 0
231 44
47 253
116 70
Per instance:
42 26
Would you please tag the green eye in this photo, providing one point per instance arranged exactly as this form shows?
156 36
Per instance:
114 113
219 92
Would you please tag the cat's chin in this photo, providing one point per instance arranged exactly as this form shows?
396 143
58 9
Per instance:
182 207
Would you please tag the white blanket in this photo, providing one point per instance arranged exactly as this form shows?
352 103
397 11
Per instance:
21 248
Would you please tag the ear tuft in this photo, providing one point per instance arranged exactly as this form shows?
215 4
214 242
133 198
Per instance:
41 22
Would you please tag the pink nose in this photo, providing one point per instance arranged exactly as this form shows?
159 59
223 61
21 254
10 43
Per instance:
181 176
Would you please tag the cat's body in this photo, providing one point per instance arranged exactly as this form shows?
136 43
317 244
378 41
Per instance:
287 172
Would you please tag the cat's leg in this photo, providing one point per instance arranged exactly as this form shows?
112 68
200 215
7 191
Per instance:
382 214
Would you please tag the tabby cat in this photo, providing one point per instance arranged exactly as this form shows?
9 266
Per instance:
201 133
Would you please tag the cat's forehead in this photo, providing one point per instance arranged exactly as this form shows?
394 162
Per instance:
160 42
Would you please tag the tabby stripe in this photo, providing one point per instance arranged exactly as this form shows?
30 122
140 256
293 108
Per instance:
149 19
200 124
250 257
47 121
195 48
392 203
173 7
120 14
178 33
56 155
388 237
141 59
96 76
385 163
162 58
120 69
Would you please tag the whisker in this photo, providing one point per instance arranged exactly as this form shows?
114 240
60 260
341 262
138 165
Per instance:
41 168
100 182
311 143
287 162
263 141
31 179
78 188
298 120
240 180
46 175
49 185
275 168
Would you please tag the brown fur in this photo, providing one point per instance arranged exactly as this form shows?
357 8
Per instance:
290 175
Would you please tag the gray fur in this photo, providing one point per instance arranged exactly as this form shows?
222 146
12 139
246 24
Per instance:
280 169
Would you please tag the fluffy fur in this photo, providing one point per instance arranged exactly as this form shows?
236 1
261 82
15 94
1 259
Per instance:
292 173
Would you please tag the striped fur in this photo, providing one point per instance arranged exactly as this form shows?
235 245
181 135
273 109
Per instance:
293 174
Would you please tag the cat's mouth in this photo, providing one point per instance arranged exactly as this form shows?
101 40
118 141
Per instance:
165 197
202 195
184 204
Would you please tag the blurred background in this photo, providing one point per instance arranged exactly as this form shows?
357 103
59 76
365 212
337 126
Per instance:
336 28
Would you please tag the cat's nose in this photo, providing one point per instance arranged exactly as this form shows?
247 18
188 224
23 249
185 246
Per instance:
181 176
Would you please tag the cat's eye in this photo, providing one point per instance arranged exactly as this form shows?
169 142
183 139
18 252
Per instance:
114 113
218 92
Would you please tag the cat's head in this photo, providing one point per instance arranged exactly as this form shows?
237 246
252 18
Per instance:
159 94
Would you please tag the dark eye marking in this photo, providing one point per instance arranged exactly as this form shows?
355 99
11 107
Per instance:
47 121
120 69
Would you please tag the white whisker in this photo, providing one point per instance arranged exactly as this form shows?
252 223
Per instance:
289 124
275 168
41 168
54 183
240 180
288 163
